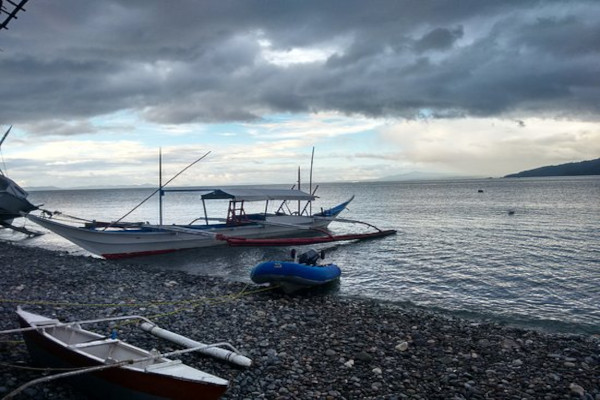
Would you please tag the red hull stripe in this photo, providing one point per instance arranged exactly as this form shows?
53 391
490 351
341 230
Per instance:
116 256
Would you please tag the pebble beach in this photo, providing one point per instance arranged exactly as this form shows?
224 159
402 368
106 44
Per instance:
319 346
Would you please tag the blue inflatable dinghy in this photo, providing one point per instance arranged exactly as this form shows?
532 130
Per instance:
301 273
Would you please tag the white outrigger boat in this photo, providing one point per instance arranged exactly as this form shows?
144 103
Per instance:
121 239
279 227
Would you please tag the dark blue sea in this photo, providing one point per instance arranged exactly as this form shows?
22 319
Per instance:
523 252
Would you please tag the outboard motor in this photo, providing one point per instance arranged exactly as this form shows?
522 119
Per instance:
310 257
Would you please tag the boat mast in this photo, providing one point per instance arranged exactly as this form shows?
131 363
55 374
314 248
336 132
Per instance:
299 188
162 193
312 157
157 190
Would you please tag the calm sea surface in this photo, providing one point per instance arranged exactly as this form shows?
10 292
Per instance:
457 251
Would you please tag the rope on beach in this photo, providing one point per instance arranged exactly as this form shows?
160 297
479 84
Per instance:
191 304
28 368
214 300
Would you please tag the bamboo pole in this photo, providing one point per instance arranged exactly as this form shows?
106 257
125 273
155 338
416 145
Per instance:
233 357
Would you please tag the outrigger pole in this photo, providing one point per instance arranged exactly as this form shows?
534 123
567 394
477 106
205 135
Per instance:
21 229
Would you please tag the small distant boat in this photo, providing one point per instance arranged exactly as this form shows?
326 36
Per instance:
138 374
301 273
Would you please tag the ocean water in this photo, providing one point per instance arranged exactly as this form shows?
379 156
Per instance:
524 252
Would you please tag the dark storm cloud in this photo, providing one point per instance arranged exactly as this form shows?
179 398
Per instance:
439 39
192 61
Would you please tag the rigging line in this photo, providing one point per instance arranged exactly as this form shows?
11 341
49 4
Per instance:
158 190
51 214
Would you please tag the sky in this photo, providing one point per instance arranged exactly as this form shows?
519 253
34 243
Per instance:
93 89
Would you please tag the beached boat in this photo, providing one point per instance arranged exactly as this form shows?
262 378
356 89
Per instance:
286 219
119 239
114 369
302 272
13 199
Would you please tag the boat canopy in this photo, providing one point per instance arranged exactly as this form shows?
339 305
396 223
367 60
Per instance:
257 194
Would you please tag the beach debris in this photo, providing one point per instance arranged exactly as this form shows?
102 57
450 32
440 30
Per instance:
575 388
402 346
517 362
509 344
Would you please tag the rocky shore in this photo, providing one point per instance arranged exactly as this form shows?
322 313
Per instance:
302 347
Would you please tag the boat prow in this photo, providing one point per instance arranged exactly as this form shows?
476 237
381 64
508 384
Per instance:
13 200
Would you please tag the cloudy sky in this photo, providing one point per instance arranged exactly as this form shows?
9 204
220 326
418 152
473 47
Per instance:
465 88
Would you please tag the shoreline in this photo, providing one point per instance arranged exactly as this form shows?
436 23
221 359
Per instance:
317 347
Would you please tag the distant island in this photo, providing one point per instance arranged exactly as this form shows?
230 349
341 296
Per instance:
591 167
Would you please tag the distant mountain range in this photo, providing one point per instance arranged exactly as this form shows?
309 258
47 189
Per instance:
415 176
591 167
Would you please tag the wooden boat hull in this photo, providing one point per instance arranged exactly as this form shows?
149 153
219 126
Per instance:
114 244
293 276
118 382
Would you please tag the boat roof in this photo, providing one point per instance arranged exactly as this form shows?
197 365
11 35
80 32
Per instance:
262 194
